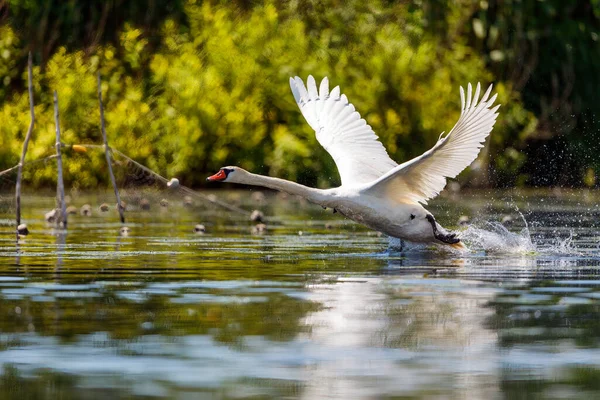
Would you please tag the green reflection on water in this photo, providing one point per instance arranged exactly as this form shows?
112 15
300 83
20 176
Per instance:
302 311
274 316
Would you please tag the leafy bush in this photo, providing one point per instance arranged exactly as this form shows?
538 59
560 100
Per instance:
214 90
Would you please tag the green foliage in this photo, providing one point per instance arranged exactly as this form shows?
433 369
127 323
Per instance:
549 50
9 46
213 89
48 25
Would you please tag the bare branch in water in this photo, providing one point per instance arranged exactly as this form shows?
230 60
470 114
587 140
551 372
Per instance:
107 151
25 143
60 186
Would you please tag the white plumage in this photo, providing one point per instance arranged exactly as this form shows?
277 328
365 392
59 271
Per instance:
375 190
358 154
361 158
424 177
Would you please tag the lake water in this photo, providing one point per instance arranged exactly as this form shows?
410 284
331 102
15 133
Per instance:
315 307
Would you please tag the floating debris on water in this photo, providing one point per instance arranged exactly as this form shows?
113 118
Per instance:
124 231
51 216
164 203
22 230
463 220
199 229
257 216
123 205
258 197
86 210
104 207
71 210
259 229
145 204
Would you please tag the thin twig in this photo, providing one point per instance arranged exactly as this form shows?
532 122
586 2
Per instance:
25 143
185 189
60 186
165 180
16 167
107 151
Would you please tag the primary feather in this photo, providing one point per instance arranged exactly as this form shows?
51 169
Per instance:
423 177
358 154
361 158
375 190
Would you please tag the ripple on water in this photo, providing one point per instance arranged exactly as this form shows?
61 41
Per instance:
329 313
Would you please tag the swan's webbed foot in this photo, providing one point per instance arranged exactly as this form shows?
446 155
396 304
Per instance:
446 237
449 238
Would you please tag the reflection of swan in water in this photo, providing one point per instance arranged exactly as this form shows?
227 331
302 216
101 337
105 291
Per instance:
389 335
376 191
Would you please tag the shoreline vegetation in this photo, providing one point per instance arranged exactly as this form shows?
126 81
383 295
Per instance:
190 86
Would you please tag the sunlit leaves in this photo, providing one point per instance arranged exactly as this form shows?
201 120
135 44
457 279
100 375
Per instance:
215 92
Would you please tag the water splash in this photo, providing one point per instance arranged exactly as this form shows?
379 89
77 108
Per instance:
495 237
561 246
492 238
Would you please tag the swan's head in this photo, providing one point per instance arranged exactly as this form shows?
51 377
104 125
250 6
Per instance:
228 174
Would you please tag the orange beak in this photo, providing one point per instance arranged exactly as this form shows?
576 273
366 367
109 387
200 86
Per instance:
219 176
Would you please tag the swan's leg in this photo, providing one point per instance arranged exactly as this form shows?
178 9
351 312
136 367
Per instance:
395 244
446 237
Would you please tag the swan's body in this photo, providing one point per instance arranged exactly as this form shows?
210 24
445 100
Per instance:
376 191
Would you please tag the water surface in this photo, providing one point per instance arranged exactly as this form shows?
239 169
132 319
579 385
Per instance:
315 307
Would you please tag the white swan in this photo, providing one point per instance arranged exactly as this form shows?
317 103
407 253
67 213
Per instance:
376 191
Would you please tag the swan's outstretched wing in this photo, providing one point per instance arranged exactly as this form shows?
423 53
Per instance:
423 177
358 154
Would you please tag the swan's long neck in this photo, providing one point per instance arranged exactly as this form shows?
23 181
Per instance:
313 195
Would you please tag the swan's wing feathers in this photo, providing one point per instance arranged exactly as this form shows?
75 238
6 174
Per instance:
324 87
423 177
358 154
